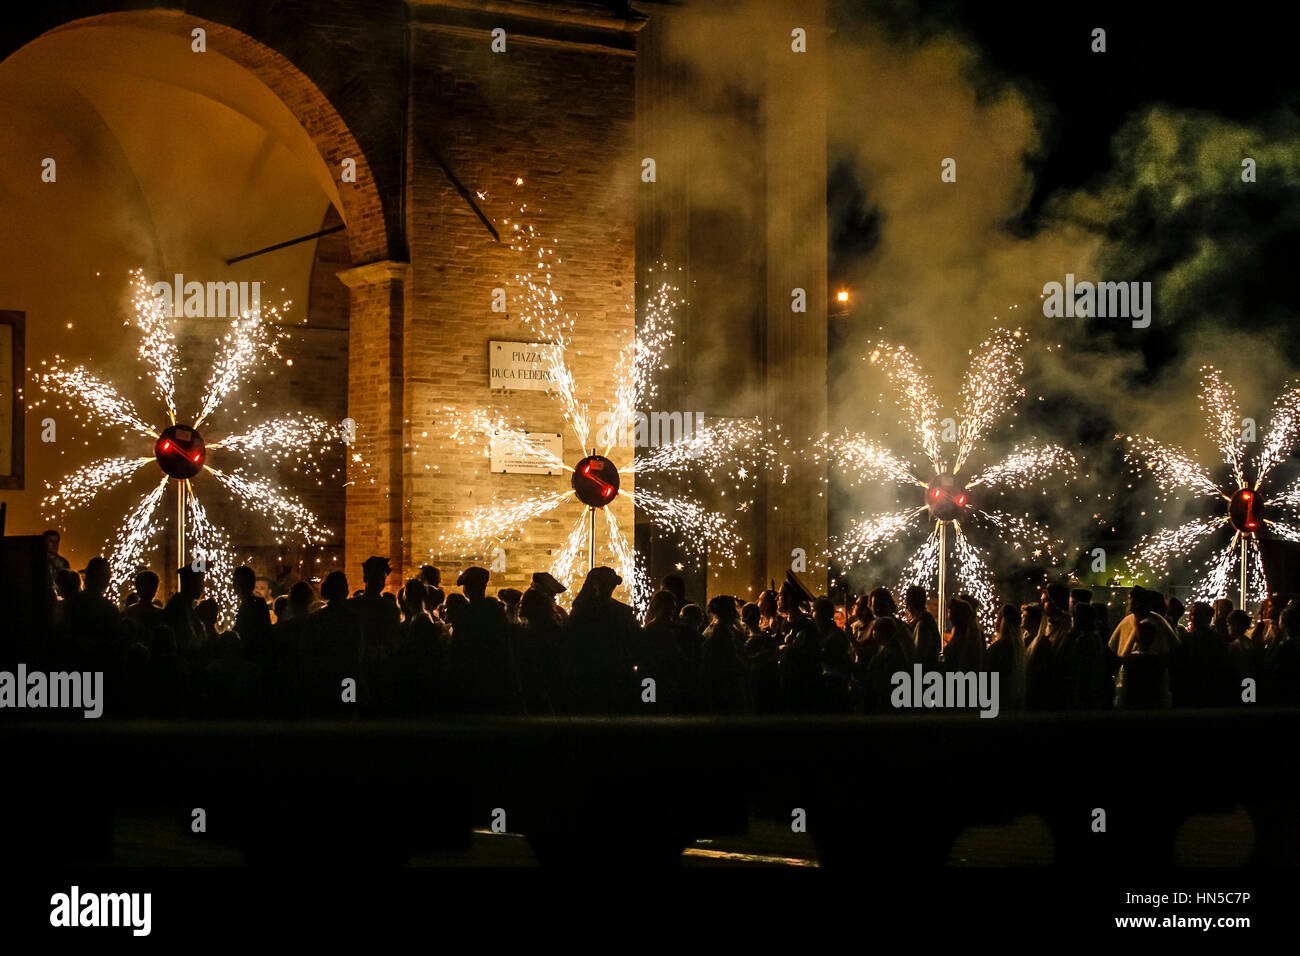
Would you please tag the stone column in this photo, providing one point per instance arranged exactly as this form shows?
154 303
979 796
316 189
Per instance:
376 402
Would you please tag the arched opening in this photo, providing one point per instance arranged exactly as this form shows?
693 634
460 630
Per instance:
176 162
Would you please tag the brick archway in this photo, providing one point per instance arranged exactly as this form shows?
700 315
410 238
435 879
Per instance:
370 227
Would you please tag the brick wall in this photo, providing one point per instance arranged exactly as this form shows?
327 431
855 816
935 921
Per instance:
561 118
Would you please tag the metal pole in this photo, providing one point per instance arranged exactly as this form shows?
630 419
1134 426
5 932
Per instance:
943 580
180 525
591 538
1242 605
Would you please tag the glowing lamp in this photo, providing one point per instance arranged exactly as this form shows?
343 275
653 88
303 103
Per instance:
180 452
595 481
1246 511
946 499
841 296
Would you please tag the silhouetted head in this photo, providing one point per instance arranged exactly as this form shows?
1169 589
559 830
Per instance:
1289 621
374 573
281 607
1056 598
882 603
823 613
97 575
1031 615
245 581
536 607
1201 614
191 582
52 539
414 594
1137 600
749 616
68 583
301 597
434 598
663 607
431 576
692 616
601 582
473 582
208 611
723 608
1082 618
146 586
456 605
676 584
510 597
1238 624
914 598
334 589
1080 596
767 602
961 614
1174 610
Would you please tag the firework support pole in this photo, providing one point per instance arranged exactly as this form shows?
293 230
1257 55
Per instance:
591 539
1244 555
943 580
180 525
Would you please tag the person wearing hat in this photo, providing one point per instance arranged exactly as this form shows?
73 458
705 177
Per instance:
547 585
377 612
604 635
482 665
510 597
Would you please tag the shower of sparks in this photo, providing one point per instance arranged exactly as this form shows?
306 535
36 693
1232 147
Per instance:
1175 471
989 392
724 455
297 441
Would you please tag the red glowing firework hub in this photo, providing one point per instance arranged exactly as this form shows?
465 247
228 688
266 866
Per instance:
180 452
946 499
1246 511
595 481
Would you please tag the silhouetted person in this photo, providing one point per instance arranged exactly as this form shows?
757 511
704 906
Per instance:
180 614
1144 644
837 657
416 677
603 636
1282 661
924 628
1246 656
541 654
510 598
1222 608
1007 657
92 620
676 586
724 679
1031 616
253 617
893 653
661 657
54 562
965 650
801 665
551 588
170 680
143 614
377 612
1201 671
482 665
332 652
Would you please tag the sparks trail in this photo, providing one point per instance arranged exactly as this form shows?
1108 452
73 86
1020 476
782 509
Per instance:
1245 503
725 457
989 391
299 441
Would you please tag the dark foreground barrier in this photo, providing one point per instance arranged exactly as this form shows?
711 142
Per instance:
891 791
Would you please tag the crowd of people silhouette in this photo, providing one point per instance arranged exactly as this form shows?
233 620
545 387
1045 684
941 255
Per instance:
428 650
